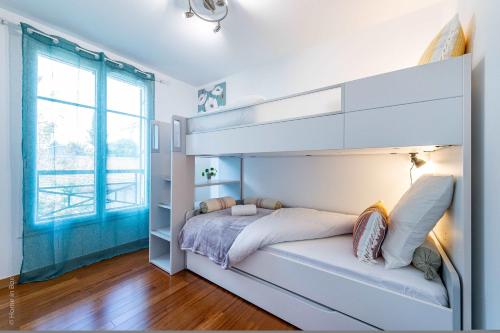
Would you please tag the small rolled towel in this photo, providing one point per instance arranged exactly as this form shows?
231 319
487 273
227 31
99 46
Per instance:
215 204
243 210
427 259
264 203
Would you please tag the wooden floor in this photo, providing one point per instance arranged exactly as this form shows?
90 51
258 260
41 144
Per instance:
128 293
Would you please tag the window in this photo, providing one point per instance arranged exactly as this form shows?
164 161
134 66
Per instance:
126 144
73 133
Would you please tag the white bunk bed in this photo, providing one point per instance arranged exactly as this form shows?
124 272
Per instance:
424 108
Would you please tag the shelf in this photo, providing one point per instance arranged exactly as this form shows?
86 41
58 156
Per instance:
217 182
162 262
164 205
163 233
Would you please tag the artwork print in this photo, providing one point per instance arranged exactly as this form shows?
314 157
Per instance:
212 98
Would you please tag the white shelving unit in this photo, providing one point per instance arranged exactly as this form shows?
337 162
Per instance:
217 183
182 197
161 261
163 233
169 164
161 185
227 182
164 205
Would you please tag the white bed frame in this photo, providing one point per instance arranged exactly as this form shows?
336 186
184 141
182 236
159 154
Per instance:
314 299
424 108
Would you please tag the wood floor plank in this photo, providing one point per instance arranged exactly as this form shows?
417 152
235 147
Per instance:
125 293
191 314
98 306
112 310
168 305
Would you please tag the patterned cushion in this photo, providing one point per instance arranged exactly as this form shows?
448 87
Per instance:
264 203
369 232
213 205
450 42
427 259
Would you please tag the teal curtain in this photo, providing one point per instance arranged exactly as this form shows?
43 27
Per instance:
86 155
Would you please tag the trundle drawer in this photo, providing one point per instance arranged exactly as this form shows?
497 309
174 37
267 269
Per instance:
290 307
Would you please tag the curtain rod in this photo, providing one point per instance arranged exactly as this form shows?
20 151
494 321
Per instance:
17 26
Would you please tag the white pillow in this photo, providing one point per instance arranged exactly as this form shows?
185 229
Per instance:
415 215
243 210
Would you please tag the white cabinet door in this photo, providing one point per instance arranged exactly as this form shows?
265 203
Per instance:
438 80
316 133
419 124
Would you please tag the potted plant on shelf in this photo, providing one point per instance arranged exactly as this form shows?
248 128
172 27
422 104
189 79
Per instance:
209 173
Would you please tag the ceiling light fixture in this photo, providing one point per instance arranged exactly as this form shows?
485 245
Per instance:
213 11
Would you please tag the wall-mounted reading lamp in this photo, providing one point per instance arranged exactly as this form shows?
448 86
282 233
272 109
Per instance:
415 162
418 162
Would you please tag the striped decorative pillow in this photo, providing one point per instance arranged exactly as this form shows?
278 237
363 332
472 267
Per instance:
450 42
369 232
213 205
264 203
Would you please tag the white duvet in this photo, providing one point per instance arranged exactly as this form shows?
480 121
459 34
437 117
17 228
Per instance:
288 224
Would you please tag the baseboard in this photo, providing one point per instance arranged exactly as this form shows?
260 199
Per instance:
5 283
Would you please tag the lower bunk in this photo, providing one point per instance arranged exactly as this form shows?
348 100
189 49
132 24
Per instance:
295 282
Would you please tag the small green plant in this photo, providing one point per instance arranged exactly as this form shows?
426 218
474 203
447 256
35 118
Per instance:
209 173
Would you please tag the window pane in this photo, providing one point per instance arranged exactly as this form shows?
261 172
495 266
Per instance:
125 161
65 137
65 194
61 81
65 160
125 189
124 97
125 142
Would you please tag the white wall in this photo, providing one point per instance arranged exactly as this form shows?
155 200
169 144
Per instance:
347 184
174 98
8 234
480 18
171 97
388 46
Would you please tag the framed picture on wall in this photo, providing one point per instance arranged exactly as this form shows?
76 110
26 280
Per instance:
212 98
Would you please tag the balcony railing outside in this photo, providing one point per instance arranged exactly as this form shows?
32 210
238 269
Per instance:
70 193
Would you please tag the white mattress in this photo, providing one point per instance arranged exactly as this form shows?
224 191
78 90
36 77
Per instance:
335 255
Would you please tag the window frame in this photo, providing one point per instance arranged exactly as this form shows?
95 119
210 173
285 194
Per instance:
75 217
144 116
101 73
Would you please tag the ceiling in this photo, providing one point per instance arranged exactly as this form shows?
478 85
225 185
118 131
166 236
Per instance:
156 34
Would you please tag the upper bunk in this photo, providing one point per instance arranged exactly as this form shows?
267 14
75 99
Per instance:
422 106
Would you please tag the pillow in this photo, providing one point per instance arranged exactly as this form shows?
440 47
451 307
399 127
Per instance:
369 233
213 205
243 210
191 213
449 42
416 213
427 259
264 203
